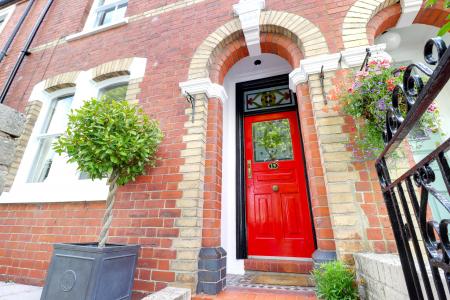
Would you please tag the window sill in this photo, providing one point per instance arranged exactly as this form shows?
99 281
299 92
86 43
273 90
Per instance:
92 31
52 192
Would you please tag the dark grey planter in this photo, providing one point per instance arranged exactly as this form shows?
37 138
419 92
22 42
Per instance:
86 272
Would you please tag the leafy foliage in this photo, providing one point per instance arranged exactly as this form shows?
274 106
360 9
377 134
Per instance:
274 138
368 99
335 281
106 136
446 27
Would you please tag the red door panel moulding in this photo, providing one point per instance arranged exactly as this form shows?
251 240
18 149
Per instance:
278 217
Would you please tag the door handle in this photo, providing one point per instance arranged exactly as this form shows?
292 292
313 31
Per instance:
249 168
275 188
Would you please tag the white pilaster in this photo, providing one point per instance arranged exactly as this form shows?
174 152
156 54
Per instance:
249 12
410 8
203 86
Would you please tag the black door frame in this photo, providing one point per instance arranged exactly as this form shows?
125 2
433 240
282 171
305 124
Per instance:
241 217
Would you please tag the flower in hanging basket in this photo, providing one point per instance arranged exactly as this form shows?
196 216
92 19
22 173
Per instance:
368 99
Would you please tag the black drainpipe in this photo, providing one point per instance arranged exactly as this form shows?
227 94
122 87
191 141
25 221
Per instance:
11 38
24 51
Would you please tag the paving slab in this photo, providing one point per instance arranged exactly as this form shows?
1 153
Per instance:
15 291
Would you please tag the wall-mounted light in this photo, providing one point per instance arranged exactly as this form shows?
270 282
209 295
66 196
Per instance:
392 40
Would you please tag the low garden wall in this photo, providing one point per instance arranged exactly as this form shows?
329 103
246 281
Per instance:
380 277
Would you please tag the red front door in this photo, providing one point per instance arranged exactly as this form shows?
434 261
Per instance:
278 218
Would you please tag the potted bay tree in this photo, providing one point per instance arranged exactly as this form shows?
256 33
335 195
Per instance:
106 139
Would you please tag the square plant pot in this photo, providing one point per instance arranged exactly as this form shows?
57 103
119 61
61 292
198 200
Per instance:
86 272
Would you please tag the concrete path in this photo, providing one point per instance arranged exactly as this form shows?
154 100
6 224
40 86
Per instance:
14 291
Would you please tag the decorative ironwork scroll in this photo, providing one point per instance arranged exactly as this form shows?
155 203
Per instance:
424 252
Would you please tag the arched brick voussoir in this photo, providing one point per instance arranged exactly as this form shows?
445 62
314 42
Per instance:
226 58
354 28
385 19
305 34
118 67
236 50
61 81
281 46
205 53
302 32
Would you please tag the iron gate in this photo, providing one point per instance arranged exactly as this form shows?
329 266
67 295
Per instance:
423 243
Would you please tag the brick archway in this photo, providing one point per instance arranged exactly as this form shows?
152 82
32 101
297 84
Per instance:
299 30
388 17
363 23
287 44
236 50
354 28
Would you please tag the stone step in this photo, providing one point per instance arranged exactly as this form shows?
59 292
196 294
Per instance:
281 279
303 266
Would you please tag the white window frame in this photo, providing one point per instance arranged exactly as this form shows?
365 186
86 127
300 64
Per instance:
41 135
90 28
66 186
6 13
105 7
111 82
92 17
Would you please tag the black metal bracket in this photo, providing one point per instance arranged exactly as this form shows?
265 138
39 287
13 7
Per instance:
322 86
191 100
365 64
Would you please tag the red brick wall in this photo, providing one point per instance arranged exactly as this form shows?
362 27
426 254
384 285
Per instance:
27 232
168 38
213 176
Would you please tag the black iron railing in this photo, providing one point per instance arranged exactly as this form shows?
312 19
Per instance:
424 251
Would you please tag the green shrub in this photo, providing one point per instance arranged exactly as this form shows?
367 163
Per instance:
335 281
109 138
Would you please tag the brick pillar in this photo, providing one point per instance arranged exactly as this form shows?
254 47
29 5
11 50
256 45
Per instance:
326 248
212 258
339 174
190 221
11 127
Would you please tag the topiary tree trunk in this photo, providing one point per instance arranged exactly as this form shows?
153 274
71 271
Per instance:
107 218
